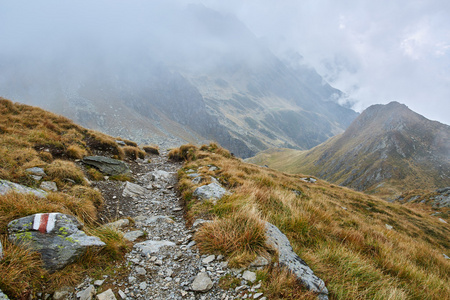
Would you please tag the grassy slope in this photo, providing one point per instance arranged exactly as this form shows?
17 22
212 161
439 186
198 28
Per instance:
386 151
339 232
32 137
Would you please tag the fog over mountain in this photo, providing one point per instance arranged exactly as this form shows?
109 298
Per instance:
164 73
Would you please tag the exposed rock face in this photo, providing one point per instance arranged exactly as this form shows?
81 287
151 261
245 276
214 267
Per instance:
106 295
288 258
443 198
212 191
8 186
56 236
437 199
107 165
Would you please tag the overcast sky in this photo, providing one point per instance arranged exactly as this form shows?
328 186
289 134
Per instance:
375 51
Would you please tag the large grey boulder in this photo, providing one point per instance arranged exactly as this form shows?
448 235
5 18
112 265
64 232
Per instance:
3 296
107 165
8 186
133 190
212 191
289 259
55 236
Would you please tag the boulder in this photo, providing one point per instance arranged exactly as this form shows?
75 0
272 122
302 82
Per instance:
133 190
55 236
202 283
3 296
49 186
249 276
8 186
289 259
149 247
160 175
106 295
133 235
107 165
36 171
212 191
87 293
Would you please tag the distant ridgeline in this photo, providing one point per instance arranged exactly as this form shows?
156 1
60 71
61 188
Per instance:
388 149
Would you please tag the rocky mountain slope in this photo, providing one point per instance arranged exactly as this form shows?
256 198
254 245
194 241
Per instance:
387 149
210 79
195 223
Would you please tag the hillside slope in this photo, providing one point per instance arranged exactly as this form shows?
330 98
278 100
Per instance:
361 246
386 150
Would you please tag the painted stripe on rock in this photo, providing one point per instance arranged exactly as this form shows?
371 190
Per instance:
44 222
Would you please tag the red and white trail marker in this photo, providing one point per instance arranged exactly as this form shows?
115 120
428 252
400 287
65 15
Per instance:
44 222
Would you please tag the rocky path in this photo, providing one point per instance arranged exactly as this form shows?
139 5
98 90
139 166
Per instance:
164 263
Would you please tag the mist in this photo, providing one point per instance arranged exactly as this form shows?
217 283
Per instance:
375 52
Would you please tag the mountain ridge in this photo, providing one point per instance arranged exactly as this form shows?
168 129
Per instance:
387 149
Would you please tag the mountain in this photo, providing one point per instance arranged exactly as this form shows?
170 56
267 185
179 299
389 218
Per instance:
197 76
388 149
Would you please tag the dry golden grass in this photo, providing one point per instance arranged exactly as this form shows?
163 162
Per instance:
76 152
241 233
61 170
95 174
21 271
339 232
185 152
133 152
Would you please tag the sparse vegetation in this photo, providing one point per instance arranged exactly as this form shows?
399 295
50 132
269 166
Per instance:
133 152
339 232
32 137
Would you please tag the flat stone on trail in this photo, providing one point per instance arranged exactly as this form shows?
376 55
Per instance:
202 283
107 165
133 190
107 295
118 224
133 235
8 186
208 259
150 246
55 236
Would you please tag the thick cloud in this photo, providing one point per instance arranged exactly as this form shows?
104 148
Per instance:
375 51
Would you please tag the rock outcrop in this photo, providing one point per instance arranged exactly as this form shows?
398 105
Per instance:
8 186
289 259
213 191
106 165
57 237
